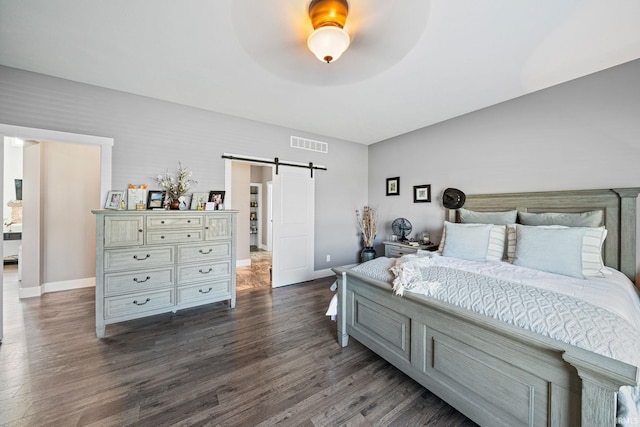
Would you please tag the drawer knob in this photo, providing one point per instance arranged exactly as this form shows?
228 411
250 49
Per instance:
135 279
162 237
205 253
205 292
188 235
139 230
162 222
141 303
188 221
206 272
142 259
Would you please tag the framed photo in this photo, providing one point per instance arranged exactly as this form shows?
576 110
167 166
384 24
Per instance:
217 198
199 199
114 198
155 199
422 193
393 186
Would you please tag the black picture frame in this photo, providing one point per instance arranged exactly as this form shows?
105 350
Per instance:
422 193
155 199
216 197
393 186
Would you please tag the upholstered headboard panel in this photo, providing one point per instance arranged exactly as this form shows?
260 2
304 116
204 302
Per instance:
618 206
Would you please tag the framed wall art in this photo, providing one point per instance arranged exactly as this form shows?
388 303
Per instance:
114 199
393 186
422 193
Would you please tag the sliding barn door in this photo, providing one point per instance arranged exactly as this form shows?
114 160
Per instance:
293 226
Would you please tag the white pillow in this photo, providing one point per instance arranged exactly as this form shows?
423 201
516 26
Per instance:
571 251
468 241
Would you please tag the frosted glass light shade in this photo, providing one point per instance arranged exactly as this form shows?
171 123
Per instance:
328 43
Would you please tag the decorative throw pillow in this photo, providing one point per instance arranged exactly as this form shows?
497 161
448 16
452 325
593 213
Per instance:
497 218
583 219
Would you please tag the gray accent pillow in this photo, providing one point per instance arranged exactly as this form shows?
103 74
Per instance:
498 218
467 241
583 219
555 250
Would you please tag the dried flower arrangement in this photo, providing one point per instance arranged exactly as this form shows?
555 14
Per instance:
367 223
178 186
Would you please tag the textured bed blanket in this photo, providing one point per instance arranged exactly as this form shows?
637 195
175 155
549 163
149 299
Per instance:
552 314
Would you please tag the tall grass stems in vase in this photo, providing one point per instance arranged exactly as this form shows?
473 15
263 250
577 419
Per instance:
367 223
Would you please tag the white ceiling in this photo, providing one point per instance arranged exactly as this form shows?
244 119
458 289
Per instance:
412 63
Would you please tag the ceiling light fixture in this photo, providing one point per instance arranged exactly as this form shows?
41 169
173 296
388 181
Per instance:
328 40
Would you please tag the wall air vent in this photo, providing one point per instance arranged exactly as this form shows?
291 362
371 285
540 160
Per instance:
309 144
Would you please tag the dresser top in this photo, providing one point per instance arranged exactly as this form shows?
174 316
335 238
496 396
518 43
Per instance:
159 212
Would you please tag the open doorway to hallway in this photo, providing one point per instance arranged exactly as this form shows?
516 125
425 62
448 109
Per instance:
258 273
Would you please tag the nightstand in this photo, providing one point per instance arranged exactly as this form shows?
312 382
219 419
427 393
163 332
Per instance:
397 249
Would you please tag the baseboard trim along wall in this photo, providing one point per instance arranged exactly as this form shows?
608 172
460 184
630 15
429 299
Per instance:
64 285
243 262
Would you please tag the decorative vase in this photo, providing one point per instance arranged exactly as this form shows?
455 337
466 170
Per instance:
367 254
174 205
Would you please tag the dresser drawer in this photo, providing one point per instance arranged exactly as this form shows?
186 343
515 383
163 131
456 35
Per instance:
203 272
128 259
207 252
215 290
395 251
134 304
174 236
174 221
120 283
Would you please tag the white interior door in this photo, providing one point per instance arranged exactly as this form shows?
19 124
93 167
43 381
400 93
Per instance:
293 228
270 216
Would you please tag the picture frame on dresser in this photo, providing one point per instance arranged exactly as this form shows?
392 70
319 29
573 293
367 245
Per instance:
217 198
198 198
155 199
114 199
422 193
393 186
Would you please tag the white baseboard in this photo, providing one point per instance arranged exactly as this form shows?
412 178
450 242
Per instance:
243 262
64 285
30 292
319 274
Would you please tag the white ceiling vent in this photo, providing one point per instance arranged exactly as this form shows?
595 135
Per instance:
309 144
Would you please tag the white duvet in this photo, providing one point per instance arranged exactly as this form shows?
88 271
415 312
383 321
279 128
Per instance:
598 314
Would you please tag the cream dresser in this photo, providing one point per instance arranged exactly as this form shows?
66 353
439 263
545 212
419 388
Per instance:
151 262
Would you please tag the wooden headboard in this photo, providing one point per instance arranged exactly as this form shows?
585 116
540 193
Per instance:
618 206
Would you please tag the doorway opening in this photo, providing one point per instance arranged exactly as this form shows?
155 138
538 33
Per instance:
290 231
52 276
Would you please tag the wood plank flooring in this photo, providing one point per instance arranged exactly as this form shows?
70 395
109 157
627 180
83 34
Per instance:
274 360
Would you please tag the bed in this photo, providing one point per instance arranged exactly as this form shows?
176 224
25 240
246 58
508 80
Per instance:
494 372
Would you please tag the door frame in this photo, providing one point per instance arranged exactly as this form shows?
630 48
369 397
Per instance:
257 161
37 134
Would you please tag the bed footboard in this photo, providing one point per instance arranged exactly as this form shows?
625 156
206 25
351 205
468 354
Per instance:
494 373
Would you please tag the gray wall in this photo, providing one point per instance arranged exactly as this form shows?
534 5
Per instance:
579 135
152 135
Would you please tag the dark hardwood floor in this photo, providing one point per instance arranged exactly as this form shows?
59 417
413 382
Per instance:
274 360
